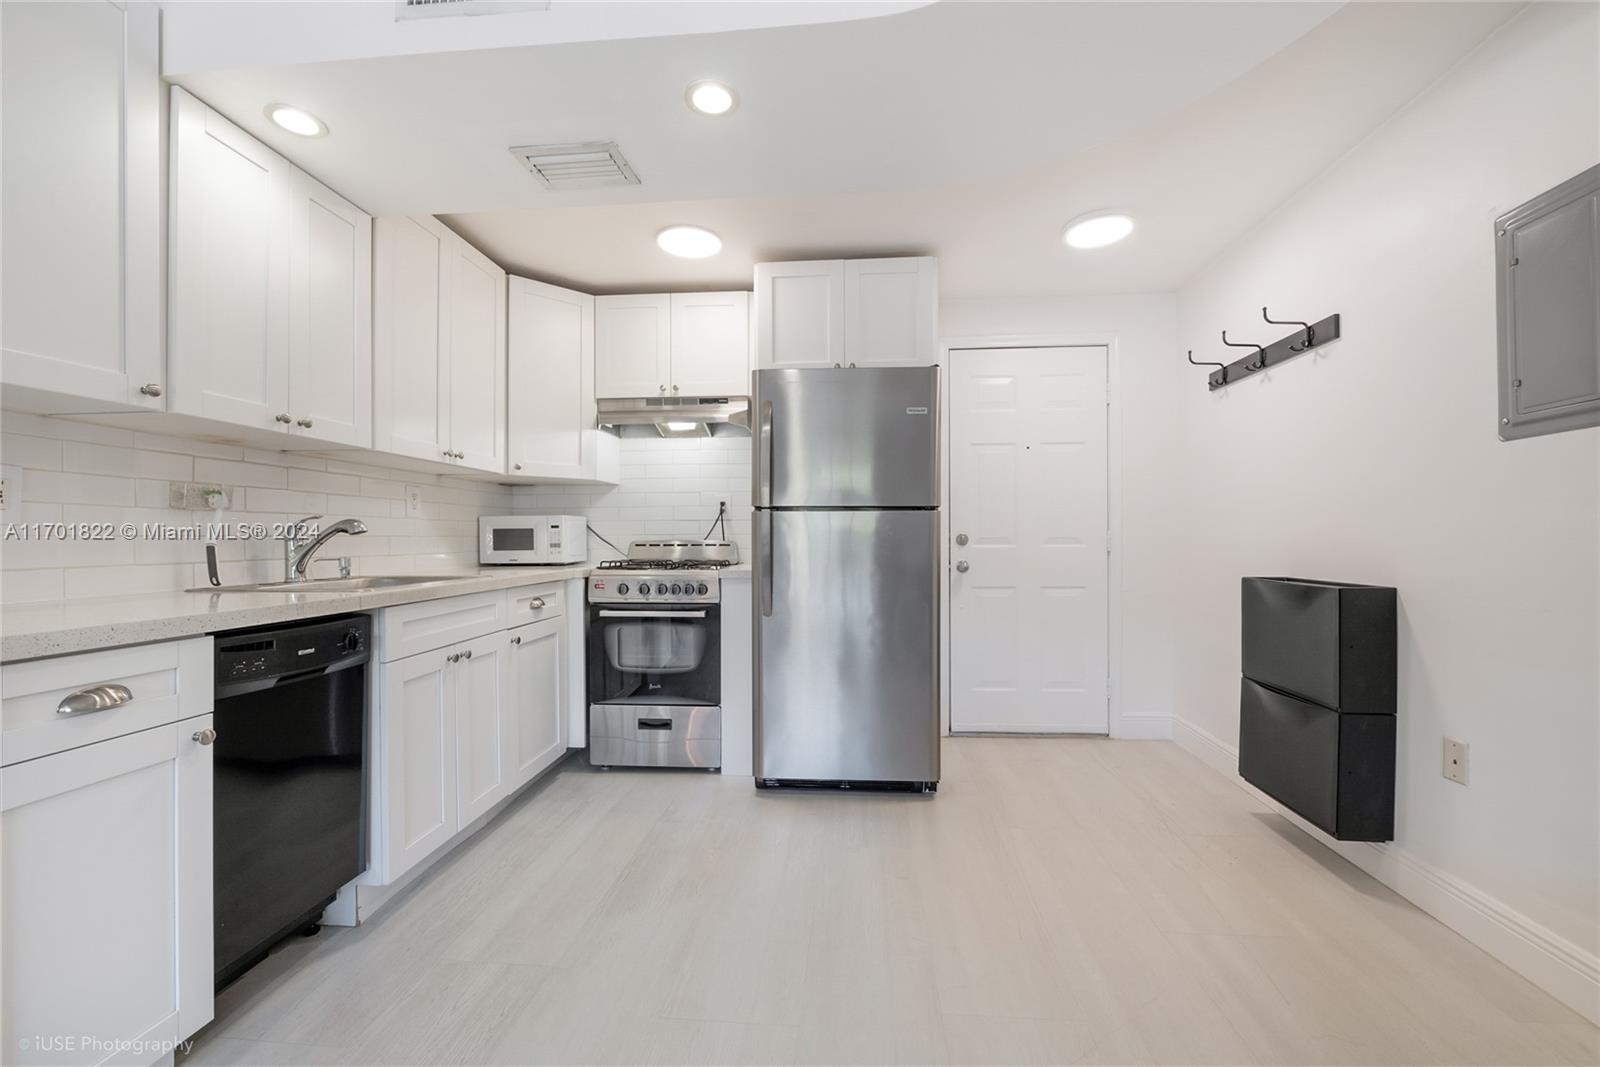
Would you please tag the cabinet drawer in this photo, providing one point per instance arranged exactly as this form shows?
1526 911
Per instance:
162 682
1328 642
535 602
412 628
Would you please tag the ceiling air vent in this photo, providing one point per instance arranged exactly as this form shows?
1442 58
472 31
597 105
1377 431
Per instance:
429 9
589 165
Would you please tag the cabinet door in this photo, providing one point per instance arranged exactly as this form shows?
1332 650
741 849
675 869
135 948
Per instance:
480 685
477 356
550 380
410 378
711 344
330 316
229 264
80 293
536 713
891 310
800 314
632 345
107 892
419 759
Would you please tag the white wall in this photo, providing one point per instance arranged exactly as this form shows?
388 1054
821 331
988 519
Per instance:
669 488
58 471
1376 460
1141 332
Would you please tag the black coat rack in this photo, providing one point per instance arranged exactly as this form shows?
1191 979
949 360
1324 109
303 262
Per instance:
1310 335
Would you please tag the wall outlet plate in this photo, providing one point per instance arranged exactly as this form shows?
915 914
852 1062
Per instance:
198 496
413 501
1455 760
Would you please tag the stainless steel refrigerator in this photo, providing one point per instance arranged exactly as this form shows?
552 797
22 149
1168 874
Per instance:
847 576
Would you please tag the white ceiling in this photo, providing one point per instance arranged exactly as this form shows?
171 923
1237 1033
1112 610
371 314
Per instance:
971 131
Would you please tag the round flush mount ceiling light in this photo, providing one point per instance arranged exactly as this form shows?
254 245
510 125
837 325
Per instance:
690 242
711 98
1097 230
297 121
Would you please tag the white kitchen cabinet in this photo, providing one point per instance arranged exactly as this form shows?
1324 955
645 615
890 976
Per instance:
481 699
80 195
330 316
536 711
632 345
847 313
550 381
800 314
710 344
891 312
439 346
418 798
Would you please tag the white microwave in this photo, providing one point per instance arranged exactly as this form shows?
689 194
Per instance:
541 539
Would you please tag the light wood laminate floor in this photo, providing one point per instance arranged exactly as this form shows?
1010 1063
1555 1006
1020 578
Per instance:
1058 901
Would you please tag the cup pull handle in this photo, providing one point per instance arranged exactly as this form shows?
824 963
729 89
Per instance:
94 698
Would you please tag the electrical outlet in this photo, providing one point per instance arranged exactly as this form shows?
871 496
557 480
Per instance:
413 501
1455 760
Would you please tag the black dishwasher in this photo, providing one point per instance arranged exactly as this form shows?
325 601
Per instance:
290 780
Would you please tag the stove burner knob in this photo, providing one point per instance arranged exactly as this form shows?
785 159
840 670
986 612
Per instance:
661 588
701 589
644 588
676 588
622 588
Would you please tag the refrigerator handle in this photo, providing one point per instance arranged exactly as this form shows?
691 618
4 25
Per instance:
764 561
764 456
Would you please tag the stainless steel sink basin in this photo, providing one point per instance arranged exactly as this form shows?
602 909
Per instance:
333 585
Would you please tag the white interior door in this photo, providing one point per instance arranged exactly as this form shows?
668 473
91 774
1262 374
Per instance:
1028 625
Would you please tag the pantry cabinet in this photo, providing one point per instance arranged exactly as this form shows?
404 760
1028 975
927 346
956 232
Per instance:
550 378
439 346
847 313
80 207
672 345
269 294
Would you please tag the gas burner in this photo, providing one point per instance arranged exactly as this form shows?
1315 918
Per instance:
663 564
675 556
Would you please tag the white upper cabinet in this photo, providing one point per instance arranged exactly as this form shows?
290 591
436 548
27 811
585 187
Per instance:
840 313
800 314
270 289
678 344
550 381
632 345
891 311
439 346
330 316
80 206
710 344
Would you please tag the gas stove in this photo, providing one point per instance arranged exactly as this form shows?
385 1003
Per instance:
664 572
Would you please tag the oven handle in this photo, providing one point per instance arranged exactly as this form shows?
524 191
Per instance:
605 614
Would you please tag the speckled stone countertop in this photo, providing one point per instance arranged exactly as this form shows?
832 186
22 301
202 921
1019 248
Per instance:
60 627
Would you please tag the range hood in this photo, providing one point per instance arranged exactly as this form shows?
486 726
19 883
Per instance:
675 416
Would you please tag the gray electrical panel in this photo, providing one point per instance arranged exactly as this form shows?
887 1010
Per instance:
1547 259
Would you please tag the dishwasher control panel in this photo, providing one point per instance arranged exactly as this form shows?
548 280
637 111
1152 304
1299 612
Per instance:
272 652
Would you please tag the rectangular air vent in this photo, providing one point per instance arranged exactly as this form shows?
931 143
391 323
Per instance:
589 165
428 9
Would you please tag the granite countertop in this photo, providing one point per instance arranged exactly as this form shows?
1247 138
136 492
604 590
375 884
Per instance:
60 627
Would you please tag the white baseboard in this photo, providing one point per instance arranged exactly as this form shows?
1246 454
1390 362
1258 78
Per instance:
1142 726
1564 970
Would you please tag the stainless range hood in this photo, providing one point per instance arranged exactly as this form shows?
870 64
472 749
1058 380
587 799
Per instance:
676 416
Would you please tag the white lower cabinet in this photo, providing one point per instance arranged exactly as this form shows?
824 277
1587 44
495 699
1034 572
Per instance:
465 725
106 866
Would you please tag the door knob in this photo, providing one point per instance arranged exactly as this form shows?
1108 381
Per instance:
962 566
206 736
961 539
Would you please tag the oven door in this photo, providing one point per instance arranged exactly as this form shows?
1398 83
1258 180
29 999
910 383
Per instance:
655 654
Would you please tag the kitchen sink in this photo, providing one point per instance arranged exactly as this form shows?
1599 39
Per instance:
333 585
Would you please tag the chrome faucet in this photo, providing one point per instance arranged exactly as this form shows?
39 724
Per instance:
297 551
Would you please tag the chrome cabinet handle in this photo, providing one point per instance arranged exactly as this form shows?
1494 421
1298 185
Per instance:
674 388
961 539
467 654
150 390
285 418
536 603
516 640
303 422
516 466
962 566
454 657
94 698
663 388
206 736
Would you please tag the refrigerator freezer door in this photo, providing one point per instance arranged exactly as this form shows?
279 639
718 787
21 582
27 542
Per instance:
851 438
847 646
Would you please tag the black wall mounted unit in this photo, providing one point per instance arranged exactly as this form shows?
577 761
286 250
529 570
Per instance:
1317 702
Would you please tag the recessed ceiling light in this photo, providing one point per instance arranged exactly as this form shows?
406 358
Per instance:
297 121
711 98
690 242
1097 230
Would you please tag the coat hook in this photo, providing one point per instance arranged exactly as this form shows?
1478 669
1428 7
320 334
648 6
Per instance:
1310 333
1200 363
1261 353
